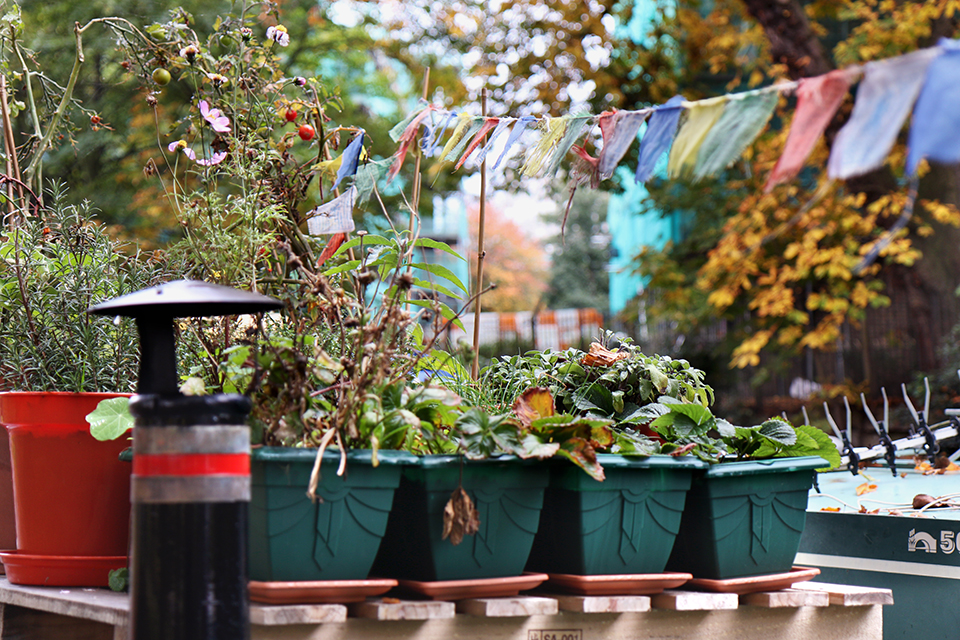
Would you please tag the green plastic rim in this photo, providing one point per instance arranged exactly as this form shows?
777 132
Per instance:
773 465
331 456
617 461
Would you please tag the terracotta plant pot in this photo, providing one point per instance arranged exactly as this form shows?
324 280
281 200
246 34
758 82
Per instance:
71 491
8 532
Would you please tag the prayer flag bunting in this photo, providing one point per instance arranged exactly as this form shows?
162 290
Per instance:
714 132
701 116
659 135
349 160
818 99
743 118
884 99
935 127
335 216
619 134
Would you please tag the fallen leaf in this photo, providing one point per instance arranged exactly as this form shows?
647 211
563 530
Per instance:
599 356
895 512
921 500
866 487
459 517
831 509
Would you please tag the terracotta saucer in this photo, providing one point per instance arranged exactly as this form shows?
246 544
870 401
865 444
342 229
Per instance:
478 588
617 585
753 584
60 571
318 591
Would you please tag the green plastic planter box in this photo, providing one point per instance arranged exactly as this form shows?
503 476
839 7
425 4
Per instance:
744 518
508 495
335 538
623 525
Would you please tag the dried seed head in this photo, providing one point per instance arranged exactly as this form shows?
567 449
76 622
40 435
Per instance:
366 276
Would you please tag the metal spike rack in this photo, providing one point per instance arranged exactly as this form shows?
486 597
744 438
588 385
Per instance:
922 435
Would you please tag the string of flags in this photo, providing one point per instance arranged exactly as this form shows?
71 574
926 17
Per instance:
704 137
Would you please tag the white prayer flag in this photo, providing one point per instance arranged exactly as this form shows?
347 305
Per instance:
335 216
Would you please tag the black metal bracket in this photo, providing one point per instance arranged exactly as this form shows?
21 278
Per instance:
853 460
881 428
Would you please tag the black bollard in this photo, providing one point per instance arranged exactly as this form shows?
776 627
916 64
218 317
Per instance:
190 487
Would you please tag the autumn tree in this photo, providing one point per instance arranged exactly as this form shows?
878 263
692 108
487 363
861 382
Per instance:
512 261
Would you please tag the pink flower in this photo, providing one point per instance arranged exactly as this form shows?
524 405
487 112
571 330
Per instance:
219 122
216 158
180 145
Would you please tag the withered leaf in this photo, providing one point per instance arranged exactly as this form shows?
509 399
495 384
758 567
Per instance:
533 404
459 517
600 356
866 487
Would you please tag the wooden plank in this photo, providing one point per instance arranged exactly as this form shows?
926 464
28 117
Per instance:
100 605
272 615
521 606
694 601
787 598
392 609
20 623
604 604
848 595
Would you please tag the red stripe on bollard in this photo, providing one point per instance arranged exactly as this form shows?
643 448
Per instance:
191 464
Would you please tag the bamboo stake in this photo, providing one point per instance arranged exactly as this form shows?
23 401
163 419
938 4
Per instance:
480 253
415 208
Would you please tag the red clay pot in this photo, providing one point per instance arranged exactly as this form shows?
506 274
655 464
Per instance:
8 532
71 492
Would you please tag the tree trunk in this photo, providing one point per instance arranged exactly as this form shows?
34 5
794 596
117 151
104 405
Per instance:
792 41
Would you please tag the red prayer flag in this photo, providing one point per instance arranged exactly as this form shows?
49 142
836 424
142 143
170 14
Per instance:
818 98
488 124
406 141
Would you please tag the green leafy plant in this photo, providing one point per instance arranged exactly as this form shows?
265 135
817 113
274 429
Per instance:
601 382
54 265
694 427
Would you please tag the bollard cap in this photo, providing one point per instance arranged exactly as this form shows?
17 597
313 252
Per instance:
186 299
155 309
